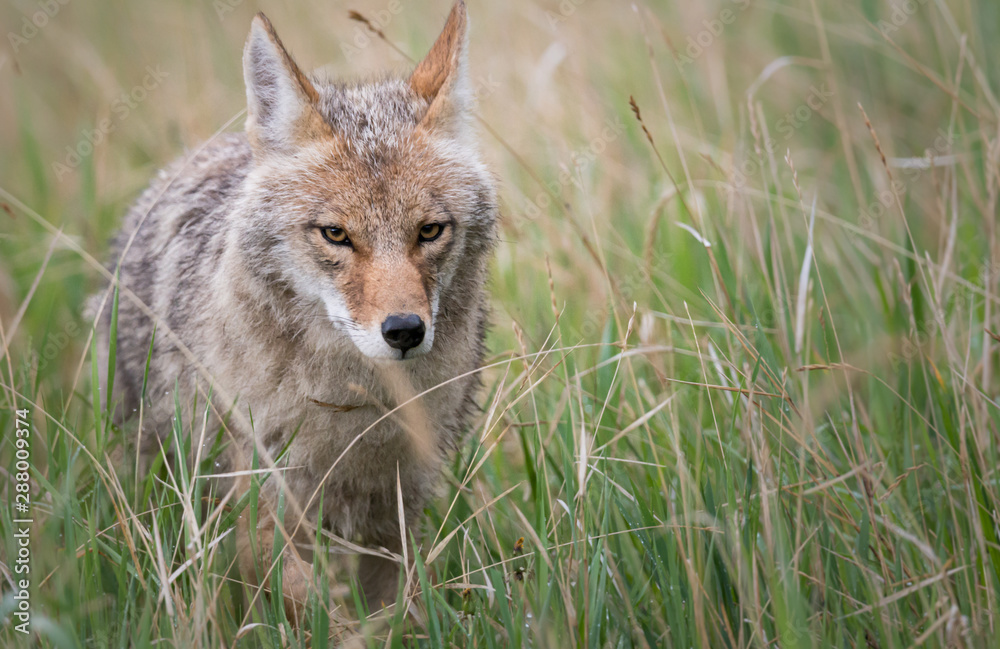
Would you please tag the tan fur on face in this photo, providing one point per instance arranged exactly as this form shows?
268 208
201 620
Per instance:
381 208
380 287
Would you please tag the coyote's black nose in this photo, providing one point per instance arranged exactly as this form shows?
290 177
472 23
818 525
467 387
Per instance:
403 331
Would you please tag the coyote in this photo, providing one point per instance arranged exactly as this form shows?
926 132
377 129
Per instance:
318 282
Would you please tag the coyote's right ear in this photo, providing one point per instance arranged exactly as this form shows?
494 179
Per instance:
281 100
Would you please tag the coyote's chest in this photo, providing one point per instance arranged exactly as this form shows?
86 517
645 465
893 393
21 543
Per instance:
332 420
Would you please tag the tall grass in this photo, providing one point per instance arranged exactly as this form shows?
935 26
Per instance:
742 387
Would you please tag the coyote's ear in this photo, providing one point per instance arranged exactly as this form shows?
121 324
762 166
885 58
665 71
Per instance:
442 77
281 101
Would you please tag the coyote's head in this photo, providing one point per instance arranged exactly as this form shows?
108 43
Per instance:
368 201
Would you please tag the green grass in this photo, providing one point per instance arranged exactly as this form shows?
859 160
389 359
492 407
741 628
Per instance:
697 447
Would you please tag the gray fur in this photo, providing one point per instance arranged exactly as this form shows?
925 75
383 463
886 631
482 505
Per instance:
212 259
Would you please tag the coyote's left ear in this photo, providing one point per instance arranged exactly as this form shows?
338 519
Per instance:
442 77
281 100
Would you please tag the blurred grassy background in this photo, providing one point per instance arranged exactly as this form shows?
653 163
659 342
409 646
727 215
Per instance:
744 389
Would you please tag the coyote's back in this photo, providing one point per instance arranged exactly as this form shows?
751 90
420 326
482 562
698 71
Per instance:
321 276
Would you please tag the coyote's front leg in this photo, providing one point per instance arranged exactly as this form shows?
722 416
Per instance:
257 562
379 576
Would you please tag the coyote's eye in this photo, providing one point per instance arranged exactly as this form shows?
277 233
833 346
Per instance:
431 231
336 236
